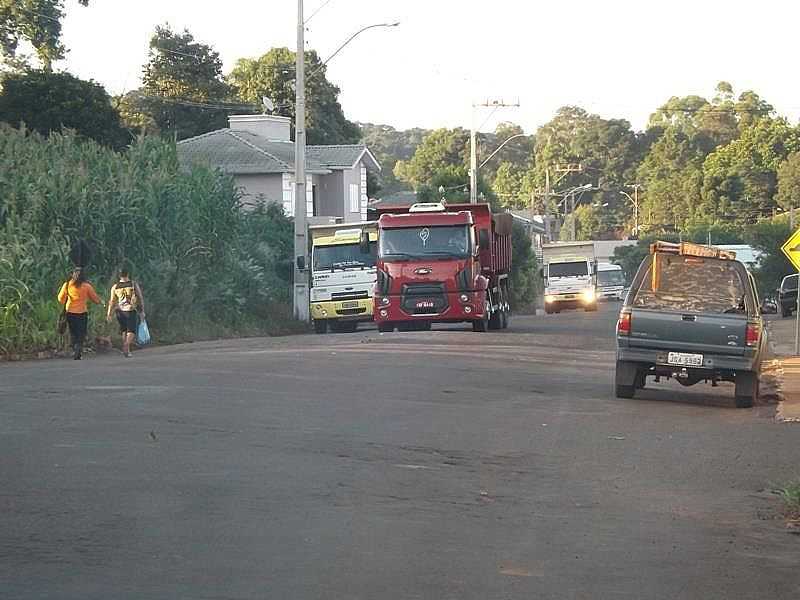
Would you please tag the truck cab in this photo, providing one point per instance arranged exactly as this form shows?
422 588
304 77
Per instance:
569 276
440 263
342 275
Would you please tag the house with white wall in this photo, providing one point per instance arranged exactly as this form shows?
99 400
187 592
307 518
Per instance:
256 150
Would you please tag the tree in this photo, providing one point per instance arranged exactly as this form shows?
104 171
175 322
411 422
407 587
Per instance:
767 237
272 76
524 281
440 150
789 182
37 22
740 179
183 92
509 186
47 102
390 145
589 222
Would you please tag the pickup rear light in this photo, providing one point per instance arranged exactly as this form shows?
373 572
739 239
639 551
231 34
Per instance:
624 324
753 334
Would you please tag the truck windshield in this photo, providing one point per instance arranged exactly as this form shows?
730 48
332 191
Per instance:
689 284
610 278
419 242
343 256
569 269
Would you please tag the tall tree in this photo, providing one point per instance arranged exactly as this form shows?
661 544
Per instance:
441 149
789 182
390 145
37 22
47 102
272 76
183 91
740 179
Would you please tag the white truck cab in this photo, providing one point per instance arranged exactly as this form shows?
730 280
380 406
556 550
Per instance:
343 275
569 276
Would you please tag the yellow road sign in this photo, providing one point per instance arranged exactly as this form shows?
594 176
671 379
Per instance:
791 248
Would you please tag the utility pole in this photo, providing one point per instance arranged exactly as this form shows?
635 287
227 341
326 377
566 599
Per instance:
300 232
473 145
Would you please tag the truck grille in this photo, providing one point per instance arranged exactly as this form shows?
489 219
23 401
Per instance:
349 295
423 298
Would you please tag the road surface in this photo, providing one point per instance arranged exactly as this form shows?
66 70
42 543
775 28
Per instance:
405 465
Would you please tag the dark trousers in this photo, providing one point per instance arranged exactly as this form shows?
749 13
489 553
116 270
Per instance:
77 324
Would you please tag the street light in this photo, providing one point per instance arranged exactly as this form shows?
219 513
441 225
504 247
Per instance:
300 295
635 202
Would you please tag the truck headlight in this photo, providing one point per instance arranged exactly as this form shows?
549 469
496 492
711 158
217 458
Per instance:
385 301
464 298
588 295
549 299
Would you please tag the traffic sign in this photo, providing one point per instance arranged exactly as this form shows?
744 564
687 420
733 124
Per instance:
791 248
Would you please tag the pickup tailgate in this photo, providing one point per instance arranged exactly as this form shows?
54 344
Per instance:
689 332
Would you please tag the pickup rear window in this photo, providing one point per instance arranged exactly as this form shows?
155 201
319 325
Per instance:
692 284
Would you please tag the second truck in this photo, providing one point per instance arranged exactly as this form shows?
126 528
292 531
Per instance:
570 276
442 263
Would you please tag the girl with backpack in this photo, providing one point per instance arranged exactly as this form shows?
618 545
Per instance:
75 294
127 298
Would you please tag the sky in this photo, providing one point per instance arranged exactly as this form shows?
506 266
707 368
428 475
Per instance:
615 58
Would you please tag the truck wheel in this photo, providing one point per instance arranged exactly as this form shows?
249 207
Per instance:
625 379
505 318
591 307
385 327
496 320
746 388
320 326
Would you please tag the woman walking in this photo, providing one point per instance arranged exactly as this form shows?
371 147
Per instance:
127 298
75 294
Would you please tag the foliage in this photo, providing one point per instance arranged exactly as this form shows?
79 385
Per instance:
390 145
272 76
790 494
46 102
789 182
524 283
199 258
740 179
440 150
183 92
589 224
37 22
767 237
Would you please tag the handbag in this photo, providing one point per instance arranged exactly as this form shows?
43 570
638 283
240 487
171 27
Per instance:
61 324
143 333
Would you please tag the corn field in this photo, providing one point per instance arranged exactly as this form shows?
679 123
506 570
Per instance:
206 268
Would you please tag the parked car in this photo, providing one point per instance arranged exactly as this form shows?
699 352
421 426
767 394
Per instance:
692 314
787 295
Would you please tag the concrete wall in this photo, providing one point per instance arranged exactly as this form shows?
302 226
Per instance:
272 127
260 188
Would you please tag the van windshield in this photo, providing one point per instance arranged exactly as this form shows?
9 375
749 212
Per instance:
568 269
610 278
691 284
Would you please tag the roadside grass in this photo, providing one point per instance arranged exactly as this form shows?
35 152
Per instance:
790 494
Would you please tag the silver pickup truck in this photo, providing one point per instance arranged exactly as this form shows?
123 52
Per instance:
692 313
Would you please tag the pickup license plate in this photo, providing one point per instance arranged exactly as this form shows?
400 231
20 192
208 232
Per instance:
425 304
683 359
351 304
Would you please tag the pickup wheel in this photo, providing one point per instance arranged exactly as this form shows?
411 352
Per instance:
625 379
746 388
386 327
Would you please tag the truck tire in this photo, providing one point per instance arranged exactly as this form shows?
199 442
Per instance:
625 379
320 327
746 388
505 318
591 307
386 327
496 320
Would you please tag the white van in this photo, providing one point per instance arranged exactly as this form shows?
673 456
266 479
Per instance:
610 282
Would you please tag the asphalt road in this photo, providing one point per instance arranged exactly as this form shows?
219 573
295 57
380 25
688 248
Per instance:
406 465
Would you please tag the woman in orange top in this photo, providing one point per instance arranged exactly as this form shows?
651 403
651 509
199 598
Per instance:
75 293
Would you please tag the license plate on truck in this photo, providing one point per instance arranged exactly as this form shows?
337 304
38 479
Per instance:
682 359
425 304
351 304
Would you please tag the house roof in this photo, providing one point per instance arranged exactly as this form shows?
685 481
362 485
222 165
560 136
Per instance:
242 152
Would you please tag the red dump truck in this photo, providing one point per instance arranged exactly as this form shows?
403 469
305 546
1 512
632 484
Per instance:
442 263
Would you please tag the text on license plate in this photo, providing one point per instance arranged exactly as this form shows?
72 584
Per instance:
352 304
425 304
685 360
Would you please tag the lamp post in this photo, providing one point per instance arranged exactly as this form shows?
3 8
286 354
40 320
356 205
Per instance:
300 295
634 200
570 195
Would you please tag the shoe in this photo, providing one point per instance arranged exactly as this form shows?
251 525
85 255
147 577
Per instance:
129 355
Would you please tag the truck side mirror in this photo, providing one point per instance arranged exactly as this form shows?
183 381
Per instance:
364 242
483 239
301 263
